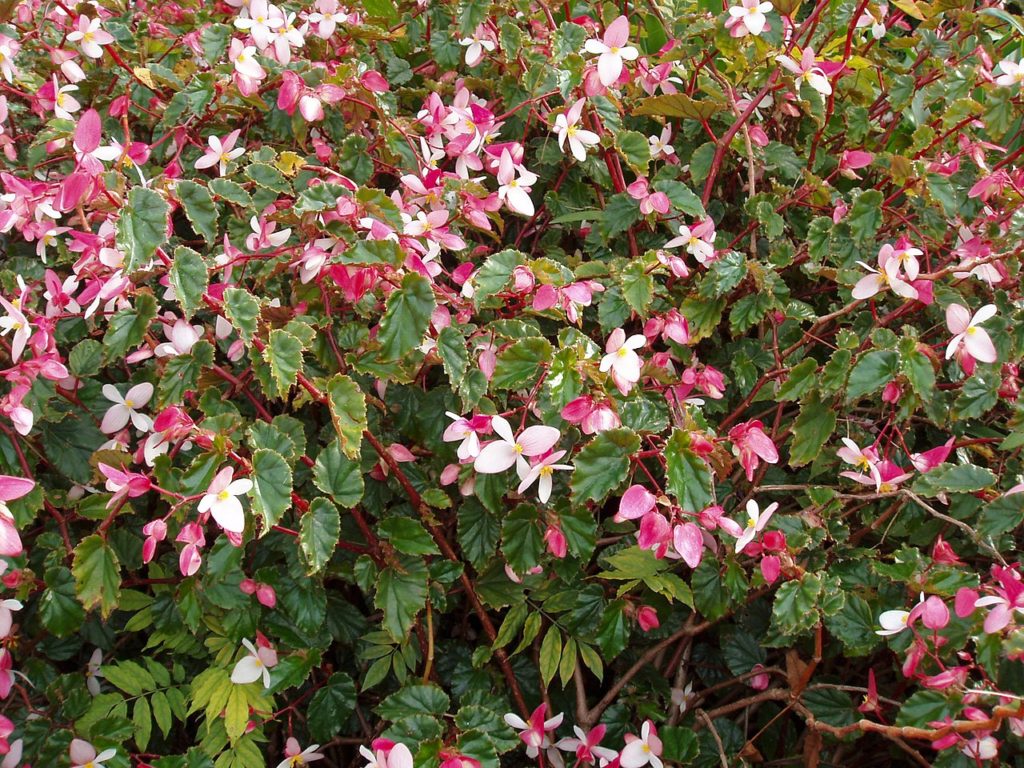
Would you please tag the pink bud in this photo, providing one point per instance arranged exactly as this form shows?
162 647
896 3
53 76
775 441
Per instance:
892 392
556 541
450 474
523 280
647 618
374 82
759 681
934 614
964 602
248 586
266 595
771 566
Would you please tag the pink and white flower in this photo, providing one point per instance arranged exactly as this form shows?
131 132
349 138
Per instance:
295 756
756 521
750 14
612 49
807 70
514 184
90 36
643 749
83 755
534 734
256 664
387 754
467 433
1012 73
622 360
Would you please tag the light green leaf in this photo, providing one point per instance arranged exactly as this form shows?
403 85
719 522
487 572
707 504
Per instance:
97 575
283 354
348 412
243 311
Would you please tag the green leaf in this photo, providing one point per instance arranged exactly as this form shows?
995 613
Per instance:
268 177
189 279
407 317
283 354
408 536
926 707
520 365
127 328
602 465
97 575
272 487
800 380
451 348
978 396
795 608
331 707
678 105
679 744
338 475
688 475
917 367
381 9
479 531
495 274
521 539
162 712
954 478
811 430
181 373
142 719
1001 515
865 216
129 677
230 191
236 713
142 227
401 594
348 413
60 612
199 208
70 444
550 654
319 531
637 286
243 311
634 147
682 198
709 593
85 358
724 275
414 700
872 372
749 311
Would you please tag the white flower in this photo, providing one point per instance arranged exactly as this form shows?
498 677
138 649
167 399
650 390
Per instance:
124 408
641 751
221 500
499 455
7 607
477 44
260 21
661 146
64 104
255 665
93 673
756 521
90 37
181 337
893 622
514 185
567 130
965 327
1012 73
542 470
295 756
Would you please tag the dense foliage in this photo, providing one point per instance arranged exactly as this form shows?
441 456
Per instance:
469 384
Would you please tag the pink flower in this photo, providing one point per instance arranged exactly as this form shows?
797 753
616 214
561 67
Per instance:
586 745
83 755
636 502
155 532
499 455
808 70
554 539
11 488
123 484
1007 600
622 360
514 185
124 408
566 127
928 460
387 754
865 459
974 340
90 37
649 201
751 445
887 276
642 750
466 432
688 541
191 555
612 50
478 44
